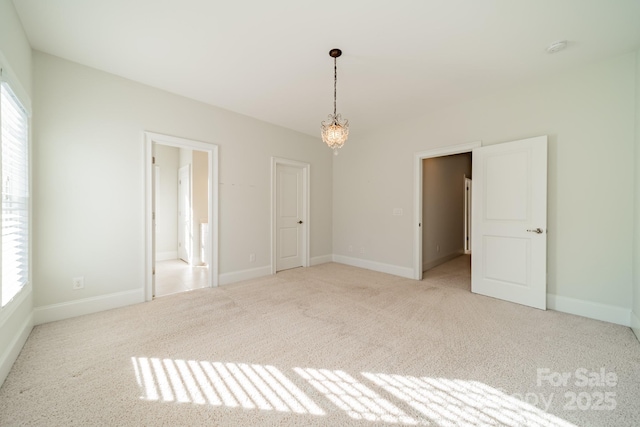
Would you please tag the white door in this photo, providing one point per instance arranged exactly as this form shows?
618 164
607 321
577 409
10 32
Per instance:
289 215
509 217
184 213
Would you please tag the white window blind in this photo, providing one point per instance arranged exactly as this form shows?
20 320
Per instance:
14 137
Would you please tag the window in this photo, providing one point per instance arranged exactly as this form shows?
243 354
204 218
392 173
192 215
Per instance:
14 137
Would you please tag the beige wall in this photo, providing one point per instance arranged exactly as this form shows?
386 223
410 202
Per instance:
89 180
200 200
443 207
589 116
16 319
167 202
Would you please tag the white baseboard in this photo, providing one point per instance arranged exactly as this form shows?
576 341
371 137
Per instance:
66 310
375 266
635 324
10 354
238 276
436 262
592 310
323 259
165 256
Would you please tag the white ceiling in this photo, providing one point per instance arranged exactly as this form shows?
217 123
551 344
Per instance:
269 59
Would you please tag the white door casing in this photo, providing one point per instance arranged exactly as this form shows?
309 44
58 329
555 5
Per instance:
467 215
184 214
509 221
290 218
155 194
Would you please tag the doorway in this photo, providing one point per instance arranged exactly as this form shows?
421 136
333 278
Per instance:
421 227
444 219
289 214
509 208
181 215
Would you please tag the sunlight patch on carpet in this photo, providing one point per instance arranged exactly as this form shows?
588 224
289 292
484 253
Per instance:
356 399
454 402
235 385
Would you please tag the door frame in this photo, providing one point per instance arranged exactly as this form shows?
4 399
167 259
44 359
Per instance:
417 194
306 239
213 171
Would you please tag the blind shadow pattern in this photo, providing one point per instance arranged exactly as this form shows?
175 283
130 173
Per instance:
386 398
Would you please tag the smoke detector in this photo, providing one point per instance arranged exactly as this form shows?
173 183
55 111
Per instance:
557 46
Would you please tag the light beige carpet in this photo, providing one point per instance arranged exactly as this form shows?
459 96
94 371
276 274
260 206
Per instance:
329 345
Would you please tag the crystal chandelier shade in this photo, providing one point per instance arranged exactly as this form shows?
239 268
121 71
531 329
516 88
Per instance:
335 130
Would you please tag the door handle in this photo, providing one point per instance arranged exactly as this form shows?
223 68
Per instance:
299 222
536 230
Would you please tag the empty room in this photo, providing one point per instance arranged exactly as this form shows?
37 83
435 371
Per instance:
341 213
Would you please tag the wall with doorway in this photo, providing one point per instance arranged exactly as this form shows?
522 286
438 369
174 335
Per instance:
589 115
443 208
167 159
89 156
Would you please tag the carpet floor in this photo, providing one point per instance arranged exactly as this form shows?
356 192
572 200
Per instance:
330 345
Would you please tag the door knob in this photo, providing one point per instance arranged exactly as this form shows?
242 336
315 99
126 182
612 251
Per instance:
536 230
299 222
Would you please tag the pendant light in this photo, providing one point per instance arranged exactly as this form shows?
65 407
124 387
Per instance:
335 130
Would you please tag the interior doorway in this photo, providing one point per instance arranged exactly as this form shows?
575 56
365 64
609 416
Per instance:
436 253
181 215
444 214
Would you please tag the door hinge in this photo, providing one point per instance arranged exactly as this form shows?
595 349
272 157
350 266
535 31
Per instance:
153 216
154 271
153 160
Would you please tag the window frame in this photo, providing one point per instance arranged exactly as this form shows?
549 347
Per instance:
8 77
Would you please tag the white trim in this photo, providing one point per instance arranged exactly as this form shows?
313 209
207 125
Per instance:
166 256
149 139
66 310
441 260
635 324
322 259
306 226
375 266
10 77
592 310
239 276
417 195
11 353
7 311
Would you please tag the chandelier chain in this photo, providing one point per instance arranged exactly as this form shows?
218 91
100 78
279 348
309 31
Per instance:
335 84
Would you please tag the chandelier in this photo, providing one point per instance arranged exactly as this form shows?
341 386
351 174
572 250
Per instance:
335 130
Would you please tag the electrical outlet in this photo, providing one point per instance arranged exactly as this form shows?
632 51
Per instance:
252 257
78 282
350 248
437 248
362 250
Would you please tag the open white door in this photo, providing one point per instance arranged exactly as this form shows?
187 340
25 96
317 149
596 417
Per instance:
509 217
